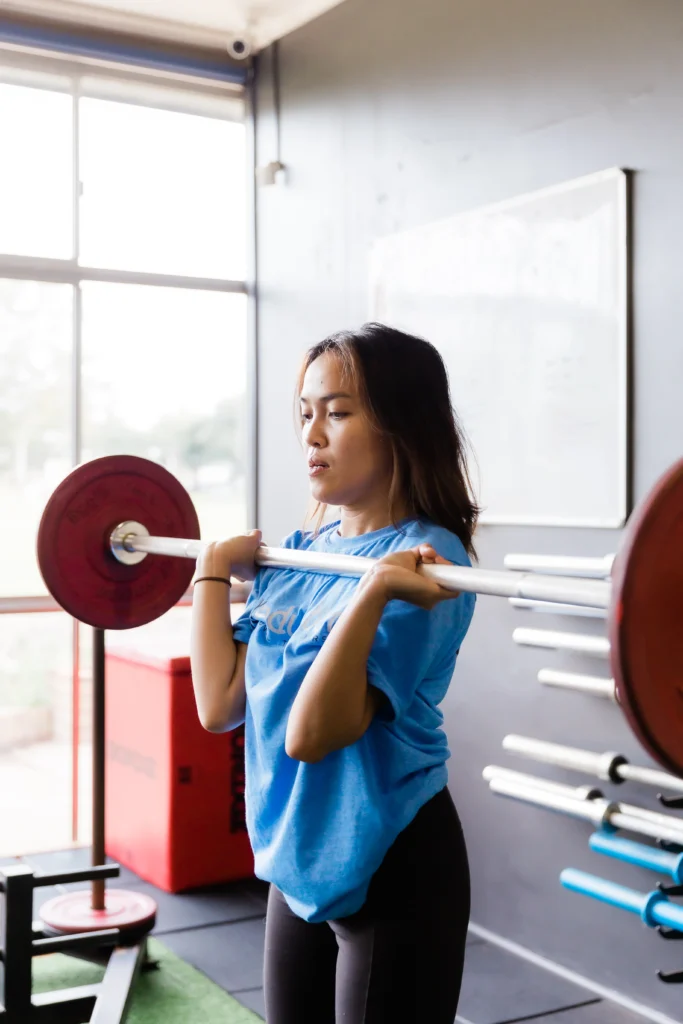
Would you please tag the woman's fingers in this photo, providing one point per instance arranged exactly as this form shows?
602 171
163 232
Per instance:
428 555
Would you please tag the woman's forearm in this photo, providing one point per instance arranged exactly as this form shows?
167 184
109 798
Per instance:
213 654
217 662
334 705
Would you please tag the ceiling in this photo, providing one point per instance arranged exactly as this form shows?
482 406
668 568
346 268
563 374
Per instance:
202 22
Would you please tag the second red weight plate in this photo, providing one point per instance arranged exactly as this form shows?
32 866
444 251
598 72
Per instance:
646 621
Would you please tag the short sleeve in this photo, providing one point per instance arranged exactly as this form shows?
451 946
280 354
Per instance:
412 643
244 627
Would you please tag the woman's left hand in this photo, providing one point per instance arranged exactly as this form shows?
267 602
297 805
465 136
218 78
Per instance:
397 576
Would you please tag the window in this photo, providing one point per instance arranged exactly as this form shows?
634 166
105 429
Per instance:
162 191
191 344
123 328
36 172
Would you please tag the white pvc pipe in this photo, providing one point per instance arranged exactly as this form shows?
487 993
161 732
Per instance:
597 646
587 568
595 685
593 593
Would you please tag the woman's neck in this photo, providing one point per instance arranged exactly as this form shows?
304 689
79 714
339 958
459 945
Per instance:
357 520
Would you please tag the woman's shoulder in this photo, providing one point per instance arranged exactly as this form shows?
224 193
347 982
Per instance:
445 543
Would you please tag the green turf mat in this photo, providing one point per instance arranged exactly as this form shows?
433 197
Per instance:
175 994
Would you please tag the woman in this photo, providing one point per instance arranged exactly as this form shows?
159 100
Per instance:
339 681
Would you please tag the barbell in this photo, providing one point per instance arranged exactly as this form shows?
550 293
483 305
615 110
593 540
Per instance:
108 516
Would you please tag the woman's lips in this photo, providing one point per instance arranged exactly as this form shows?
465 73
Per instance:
317 468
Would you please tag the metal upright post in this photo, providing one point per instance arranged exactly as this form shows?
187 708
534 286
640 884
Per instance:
16 942
98 765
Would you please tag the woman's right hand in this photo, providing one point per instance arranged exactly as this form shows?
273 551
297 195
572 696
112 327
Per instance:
231 557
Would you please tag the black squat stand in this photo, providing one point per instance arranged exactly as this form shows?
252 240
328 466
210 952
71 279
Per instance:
21 940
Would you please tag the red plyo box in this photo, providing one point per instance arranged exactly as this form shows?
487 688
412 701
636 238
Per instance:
174 792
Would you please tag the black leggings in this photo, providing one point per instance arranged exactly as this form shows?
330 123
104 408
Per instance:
400 957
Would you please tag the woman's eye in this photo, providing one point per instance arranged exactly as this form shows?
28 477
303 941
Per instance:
305 416
339 415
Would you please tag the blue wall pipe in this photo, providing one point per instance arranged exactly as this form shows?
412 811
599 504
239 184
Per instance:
638 853
654 908
100 47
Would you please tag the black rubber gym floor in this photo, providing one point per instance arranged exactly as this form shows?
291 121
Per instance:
220 931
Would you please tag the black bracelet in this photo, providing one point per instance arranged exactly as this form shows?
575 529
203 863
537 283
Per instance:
213 579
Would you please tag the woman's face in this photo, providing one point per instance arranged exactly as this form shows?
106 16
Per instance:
349 464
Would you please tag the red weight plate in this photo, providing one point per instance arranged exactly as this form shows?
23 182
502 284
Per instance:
129 911
646 621
74 553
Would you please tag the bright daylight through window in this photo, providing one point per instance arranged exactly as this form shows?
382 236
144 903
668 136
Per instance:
123 328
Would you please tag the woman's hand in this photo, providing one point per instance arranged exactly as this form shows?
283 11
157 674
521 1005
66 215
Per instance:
398 577
231 557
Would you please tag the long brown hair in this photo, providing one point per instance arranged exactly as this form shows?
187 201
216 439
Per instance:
403 385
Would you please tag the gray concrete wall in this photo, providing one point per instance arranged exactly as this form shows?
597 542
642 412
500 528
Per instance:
393 114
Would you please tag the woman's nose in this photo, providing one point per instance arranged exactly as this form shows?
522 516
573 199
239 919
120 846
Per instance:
315 435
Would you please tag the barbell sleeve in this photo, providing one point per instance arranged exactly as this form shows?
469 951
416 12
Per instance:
591 593
595 685
653 908
642 856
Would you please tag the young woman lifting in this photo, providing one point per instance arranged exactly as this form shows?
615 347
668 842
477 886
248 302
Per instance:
339 682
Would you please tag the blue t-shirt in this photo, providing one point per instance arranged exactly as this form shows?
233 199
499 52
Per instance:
320 831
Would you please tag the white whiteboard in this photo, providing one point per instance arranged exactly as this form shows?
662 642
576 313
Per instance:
527 303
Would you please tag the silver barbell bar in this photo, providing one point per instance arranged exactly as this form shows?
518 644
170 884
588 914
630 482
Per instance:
131 542
608 766
580 802
494 771
585 793
595 685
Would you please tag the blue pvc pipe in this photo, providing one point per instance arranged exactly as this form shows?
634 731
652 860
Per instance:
638 853
654 908
47 38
